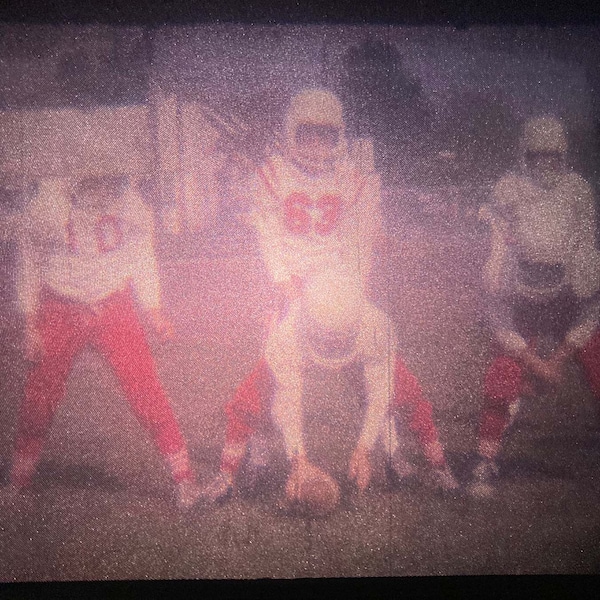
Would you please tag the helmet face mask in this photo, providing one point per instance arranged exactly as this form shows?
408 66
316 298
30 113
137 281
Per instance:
315 147
315 131
325 135
99 193
544 146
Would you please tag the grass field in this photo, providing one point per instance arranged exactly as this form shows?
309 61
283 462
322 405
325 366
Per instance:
101 507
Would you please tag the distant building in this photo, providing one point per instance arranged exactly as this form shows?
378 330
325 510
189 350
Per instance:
65 66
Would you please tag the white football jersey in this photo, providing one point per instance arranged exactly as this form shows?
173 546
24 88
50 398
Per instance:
543 244
86 257
307 224
540 226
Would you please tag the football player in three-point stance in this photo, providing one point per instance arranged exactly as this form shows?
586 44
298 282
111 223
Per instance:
542 280
87 260
317 215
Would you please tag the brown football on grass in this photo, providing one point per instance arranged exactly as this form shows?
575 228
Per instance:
318 496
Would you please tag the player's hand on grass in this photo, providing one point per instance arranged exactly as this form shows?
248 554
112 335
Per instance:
360 468
34 346
302 473
299 473
310 490
161 324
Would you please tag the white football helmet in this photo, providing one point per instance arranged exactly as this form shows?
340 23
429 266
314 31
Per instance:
331 315
544 134
317 108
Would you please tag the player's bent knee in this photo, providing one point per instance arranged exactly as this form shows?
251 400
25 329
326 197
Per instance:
35 425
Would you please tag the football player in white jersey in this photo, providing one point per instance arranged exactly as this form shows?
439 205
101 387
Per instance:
317 216
542 280
87 263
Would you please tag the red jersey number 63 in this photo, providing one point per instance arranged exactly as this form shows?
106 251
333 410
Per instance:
299 211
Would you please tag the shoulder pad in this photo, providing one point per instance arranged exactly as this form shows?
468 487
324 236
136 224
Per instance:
509 189
577 184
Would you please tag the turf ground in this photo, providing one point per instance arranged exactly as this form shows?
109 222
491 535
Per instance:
101 507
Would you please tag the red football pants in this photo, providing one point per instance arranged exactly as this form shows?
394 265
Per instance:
504 385
246 411
114 329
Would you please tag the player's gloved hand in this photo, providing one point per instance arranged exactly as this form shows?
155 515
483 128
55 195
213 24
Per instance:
34 346
310 489
360 468
161 324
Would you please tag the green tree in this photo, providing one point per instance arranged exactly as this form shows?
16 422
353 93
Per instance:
483 132
384 102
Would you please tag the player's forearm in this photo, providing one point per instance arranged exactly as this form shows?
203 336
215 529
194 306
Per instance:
29 281
503 327
379 397
140 252
270 249
371 225
585 326
510 340
279 273
263 218
371 428
287 415
28 301
28 291
550 370
145 278
529 359
147 292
